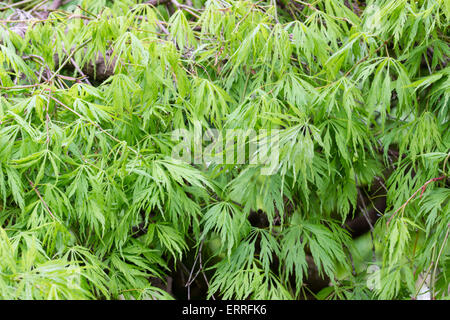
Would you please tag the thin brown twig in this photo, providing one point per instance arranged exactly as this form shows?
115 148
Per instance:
43 64
26 86
32 20
414 194
156 2
181 6
204 276
192 278
68 59
77 67
40 197
364 209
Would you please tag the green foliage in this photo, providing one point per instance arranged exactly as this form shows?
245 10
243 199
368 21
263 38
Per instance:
82 163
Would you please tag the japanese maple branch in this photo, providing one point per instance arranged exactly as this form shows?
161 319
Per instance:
414 194
40 197
201 269
93 123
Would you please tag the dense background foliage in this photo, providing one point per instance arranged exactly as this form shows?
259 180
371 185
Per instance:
92 205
